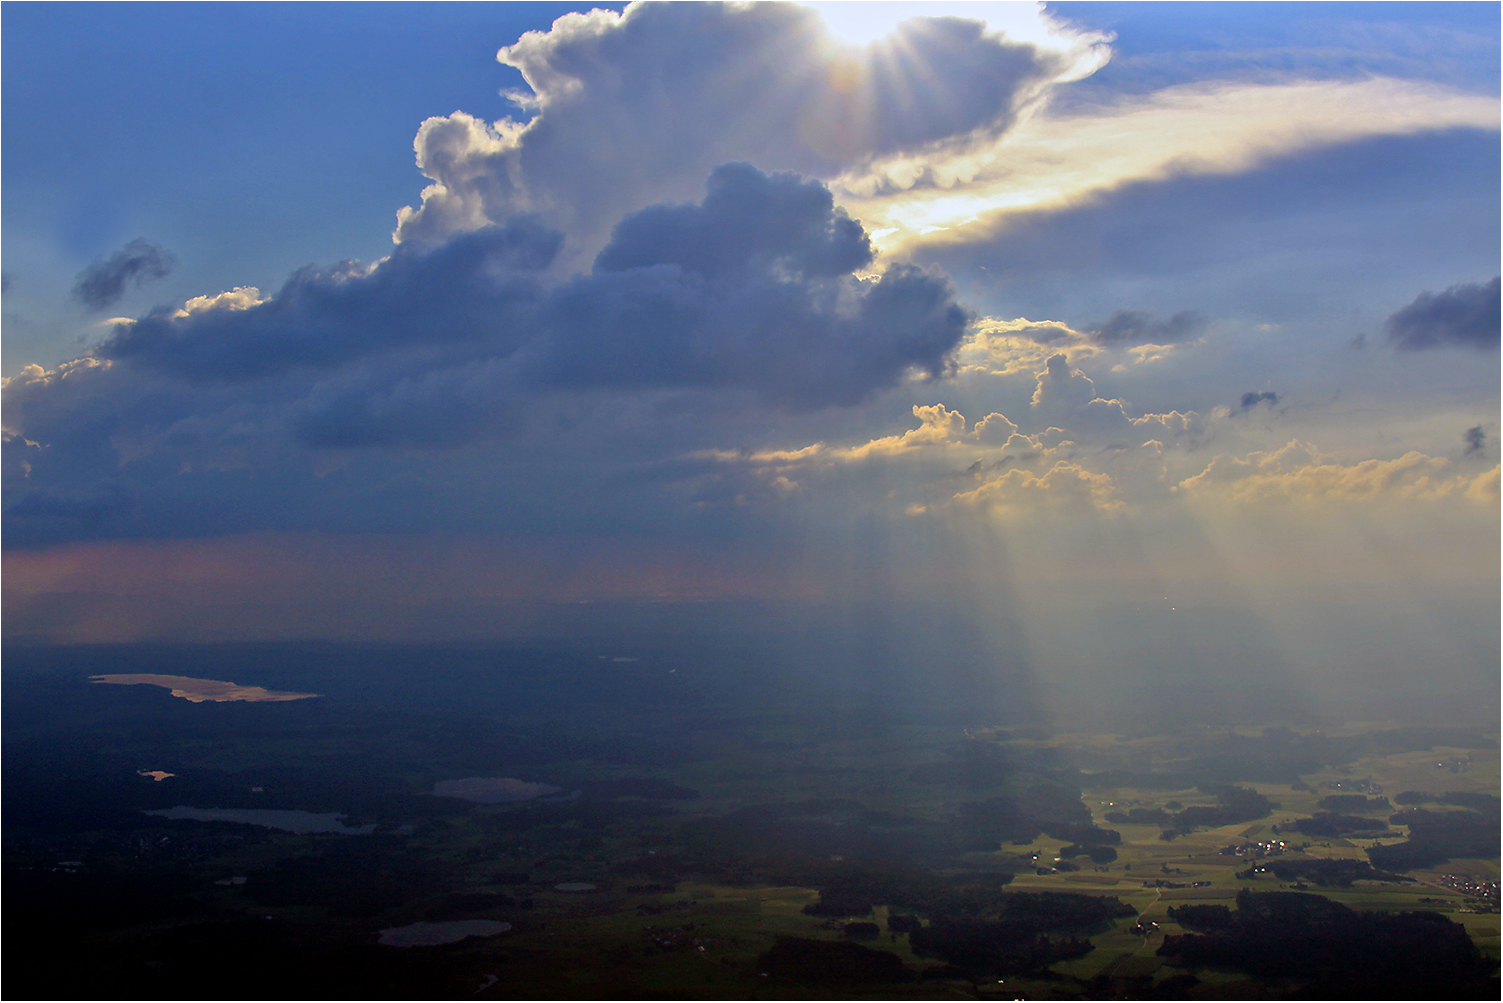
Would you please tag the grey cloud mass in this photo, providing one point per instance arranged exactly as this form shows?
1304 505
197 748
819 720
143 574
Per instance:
1253 398
750 288
476 285
748 295
753 287
1465 316
378 406
748 221
104 282
1138 327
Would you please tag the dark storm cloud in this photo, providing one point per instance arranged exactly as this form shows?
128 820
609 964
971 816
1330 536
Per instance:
1466 316
477 285
751 288
1475 439
104 281
796 343
749 222
429 409
693 313
1253 398
1138 327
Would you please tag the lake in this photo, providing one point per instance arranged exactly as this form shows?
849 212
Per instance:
431 934
201 690
301 822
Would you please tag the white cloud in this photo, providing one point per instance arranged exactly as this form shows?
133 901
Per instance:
1067 487
937 425
995 428
1062 389
1173 426
1054 161
636 108
239 298
1080 53
1004 347
34 374
1299 474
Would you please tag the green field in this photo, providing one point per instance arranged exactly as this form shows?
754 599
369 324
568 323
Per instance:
736 861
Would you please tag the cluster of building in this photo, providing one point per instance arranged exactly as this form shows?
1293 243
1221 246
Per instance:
676 938
1470 887
1256 851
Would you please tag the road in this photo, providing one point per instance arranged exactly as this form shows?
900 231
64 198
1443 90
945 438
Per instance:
1146 937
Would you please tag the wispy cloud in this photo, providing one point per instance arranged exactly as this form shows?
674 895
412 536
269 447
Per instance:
965 190
106 281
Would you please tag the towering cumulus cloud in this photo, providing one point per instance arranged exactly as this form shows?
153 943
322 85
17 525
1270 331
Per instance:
636 108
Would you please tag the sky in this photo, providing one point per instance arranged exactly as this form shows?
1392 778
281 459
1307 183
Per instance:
1083 347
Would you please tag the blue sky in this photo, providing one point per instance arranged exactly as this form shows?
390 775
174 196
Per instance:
1056 309
229 132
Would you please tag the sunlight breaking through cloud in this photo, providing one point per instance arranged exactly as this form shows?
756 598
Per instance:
967 189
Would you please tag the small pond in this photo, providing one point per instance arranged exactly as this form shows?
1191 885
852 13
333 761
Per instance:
431 934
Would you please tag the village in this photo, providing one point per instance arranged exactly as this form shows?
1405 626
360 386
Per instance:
1256 851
